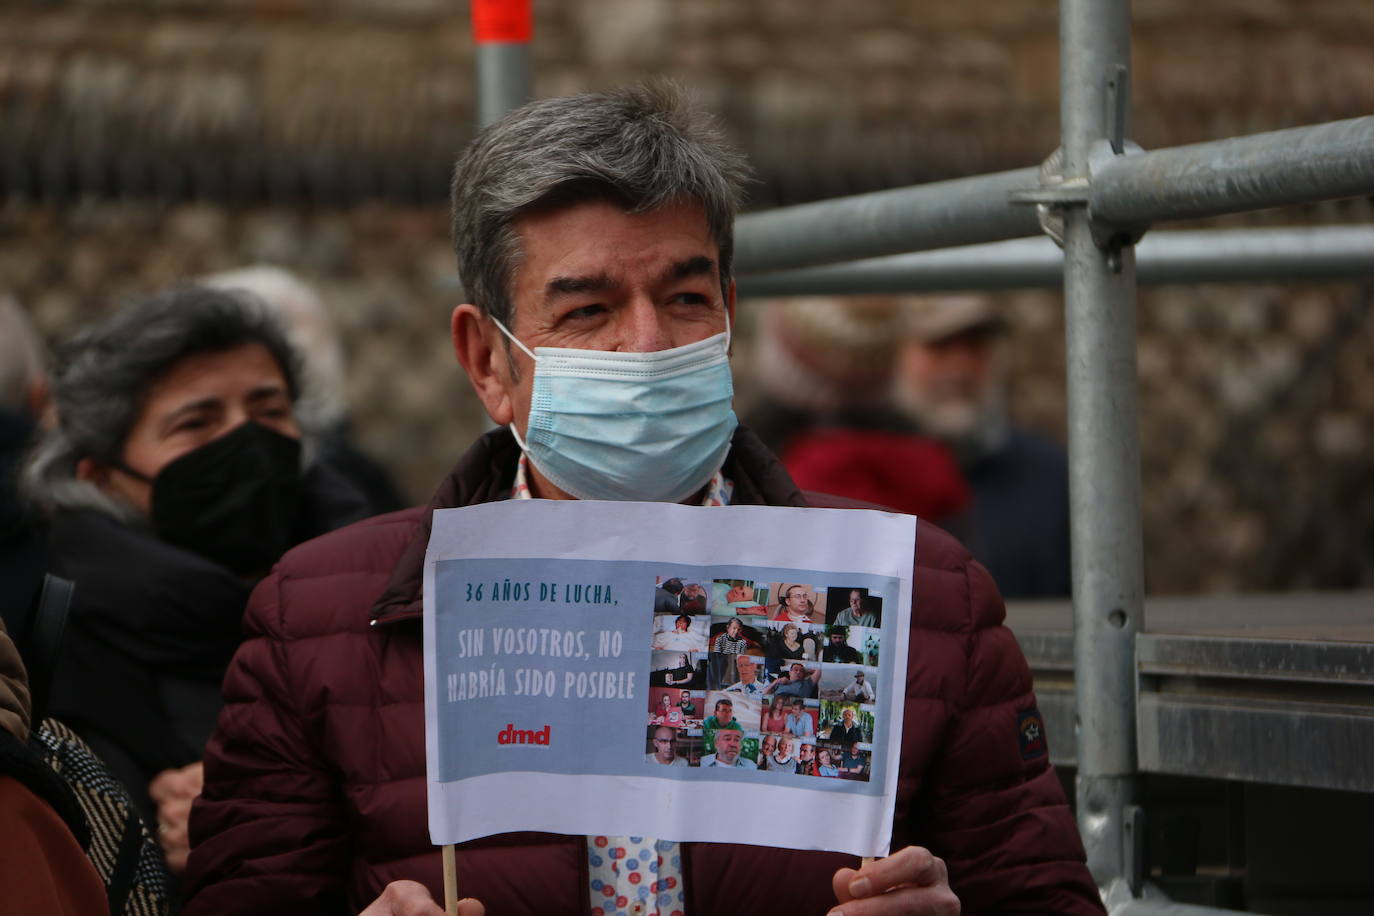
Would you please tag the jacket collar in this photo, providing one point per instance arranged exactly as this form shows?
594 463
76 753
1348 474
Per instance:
487 472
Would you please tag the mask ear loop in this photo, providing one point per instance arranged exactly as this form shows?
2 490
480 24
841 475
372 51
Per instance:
515 340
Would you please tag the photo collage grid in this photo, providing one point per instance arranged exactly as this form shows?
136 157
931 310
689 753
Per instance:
779 676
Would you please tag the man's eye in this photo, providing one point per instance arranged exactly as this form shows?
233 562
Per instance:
691 299
585 311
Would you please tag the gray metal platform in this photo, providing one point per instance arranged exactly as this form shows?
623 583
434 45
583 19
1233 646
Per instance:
1275 689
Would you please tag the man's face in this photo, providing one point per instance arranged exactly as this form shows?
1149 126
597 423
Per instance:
727 745
848 715
858 677
592 277
747 669
665 744
724 711
197 400
855 601
837 639
807 753
948 384
798 599
798 672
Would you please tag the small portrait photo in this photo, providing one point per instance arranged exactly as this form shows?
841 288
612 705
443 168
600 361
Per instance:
680 632
686 670
791 677
773 715
850 645
735 636
665 747
849 684
728 747
730 710
778 753
743 674
691 703
796 602
679 595
739 597
854 762
828 758
672 747
852 607
785 639
800 717
845 723
665 707
806 757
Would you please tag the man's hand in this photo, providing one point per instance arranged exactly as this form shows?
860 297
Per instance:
410 898
911 882
173 791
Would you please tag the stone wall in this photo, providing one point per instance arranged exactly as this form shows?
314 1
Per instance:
145 143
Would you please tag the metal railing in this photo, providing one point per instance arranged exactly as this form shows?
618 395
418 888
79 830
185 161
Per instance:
1205 256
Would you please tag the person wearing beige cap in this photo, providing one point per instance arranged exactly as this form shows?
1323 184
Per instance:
949 382
823 372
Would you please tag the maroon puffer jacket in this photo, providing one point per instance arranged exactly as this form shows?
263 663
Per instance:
315 779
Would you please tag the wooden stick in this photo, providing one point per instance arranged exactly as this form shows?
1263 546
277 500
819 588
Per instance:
450 881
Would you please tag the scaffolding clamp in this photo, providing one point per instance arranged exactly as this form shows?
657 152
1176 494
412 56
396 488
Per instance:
1056 193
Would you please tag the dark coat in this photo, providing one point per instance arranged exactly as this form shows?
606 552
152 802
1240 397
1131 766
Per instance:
315 778
150 634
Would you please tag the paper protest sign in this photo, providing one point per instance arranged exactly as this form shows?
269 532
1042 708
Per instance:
643 669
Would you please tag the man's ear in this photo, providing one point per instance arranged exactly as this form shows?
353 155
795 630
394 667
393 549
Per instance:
480 351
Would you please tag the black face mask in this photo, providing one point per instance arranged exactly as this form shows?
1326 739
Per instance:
233 500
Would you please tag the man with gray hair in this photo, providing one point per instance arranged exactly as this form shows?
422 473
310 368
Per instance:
601 222
950 383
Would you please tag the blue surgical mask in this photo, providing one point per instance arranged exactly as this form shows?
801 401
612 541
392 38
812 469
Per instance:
630 426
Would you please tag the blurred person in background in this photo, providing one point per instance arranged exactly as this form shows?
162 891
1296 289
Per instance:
171 482
823 370
23 401
322 409
950 384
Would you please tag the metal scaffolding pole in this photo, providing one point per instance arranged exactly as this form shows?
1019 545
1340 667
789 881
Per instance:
1206 256
1104 451
502 30
1300 165
957 212
1273 169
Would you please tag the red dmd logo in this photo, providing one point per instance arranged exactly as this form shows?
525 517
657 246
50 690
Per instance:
512 735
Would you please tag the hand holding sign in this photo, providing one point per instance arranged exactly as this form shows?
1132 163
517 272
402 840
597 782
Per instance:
911 882
410 898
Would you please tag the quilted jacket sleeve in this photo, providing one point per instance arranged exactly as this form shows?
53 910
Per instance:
269 832
993 807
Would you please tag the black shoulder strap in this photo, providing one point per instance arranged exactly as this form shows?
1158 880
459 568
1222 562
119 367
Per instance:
48 623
